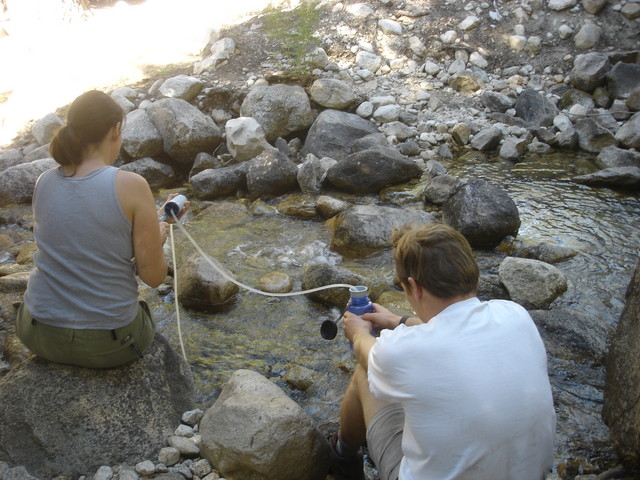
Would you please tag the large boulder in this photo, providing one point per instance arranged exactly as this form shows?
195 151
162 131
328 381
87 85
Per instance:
611 157
65 420
334 132
623 79
589 70
185 130
245 138
279 109
19 181
332 93
157 174
628 177
367 228
271 173
534 108
205 286
482 212
220 182
45 128
255 432
592 137
313 172
532 283
318 274
369 171
629 134
621 411
140 137
185 87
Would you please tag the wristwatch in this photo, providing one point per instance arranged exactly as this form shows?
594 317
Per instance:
404 319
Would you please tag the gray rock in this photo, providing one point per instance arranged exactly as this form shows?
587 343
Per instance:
332 93
203 286
483 213
368 61
513 149
368 228
546 252
313 172
560 5
140 137
319 274
399 130
11 157
535 109
592 137
157 174
497 102
576 97
329 206
169 456
369 171
63 420
593 7
185 87
617 157
621 411
270 174
612 177
568 335
623 79
567 139
245 138
18 473
45 128
255 432
532 283
486 139
467 82
461 133
185 130
185 446
220 182
333 133
19 181
629 134
300 378
203 162
279 109
441 188
587 37
589 71
370 141
221 52
387 113
192 417
126 104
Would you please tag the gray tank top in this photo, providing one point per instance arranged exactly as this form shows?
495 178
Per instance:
83 276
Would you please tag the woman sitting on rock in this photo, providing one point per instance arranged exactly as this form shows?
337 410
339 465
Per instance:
95 228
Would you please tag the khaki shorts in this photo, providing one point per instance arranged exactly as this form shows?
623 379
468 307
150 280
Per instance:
384 440
87 348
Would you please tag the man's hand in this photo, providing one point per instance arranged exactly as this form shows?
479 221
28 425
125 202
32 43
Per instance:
382 318
358 331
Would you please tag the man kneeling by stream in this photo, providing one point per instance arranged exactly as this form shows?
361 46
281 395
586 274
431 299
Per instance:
459 391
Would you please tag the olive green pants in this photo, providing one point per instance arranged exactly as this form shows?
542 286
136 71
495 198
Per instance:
87 348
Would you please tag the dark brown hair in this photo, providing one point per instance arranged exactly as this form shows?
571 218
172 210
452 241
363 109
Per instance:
438 258
89 119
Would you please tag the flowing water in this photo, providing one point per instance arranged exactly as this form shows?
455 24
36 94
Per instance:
276 335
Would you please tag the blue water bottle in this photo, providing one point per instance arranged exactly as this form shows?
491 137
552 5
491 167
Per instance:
359 303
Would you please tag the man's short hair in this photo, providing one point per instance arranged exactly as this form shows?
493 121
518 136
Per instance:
438 258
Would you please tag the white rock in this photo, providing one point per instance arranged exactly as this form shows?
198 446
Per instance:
562 122
449 36
365 109
387 113
517 42
565 31
469 23
184 431
360 10
431 68
103 473
146 468
390 27
478 60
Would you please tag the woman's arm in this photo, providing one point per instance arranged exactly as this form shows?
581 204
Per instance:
148 235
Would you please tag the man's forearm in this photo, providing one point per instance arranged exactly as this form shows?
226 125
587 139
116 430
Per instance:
362 345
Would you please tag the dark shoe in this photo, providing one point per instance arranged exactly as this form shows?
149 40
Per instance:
344 468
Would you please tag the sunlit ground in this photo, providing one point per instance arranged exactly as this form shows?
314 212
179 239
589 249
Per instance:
46 62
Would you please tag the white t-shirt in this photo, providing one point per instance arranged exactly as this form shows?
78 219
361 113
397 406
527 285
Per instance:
474 387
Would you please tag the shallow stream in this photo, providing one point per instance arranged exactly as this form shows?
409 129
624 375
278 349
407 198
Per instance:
275 335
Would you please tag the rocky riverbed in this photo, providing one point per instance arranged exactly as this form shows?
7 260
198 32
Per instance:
407 89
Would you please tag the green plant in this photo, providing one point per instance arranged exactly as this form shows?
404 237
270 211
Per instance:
292 32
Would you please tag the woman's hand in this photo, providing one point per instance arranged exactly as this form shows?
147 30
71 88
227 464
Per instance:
161 210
